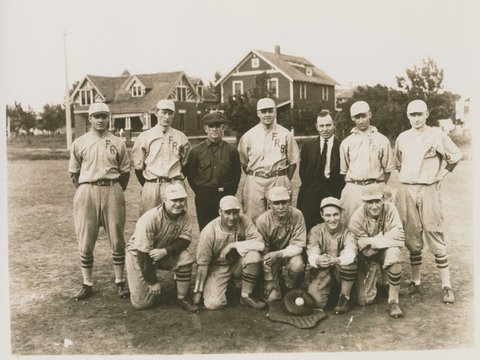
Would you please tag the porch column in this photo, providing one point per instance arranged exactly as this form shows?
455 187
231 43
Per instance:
128 131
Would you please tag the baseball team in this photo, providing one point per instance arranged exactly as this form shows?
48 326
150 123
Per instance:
341 243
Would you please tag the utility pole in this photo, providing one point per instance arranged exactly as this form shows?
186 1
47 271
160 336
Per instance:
68 126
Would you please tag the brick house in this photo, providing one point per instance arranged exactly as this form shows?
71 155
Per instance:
291 78
132 100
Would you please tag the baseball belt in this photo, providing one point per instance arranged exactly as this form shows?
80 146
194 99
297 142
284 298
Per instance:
102 182
163 179
365 182
266 175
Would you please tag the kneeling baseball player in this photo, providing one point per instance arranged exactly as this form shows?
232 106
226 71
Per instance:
160 241
379 237
229 246
331 252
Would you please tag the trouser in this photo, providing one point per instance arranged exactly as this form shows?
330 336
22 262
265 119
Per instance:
247 268
153 194
206 204
140 295
94 206
310 197
255 190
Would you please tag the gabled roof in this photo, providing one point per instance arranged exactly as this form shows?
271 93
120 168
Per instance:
346 93
283 63
107 85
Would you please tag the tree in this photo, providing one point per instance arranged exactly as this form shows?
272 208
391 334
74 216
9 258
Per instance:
53 117
211 85
21 119
426 83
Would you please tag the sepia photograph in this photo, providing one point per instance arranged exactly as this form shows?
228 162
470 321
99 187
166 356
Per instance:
239 178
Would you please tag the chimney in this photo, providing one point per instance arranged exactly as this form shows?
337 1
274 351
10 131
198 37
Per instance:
277 49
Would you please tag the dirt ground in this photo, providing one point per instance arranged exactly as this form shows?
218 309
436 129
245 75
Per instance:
45 272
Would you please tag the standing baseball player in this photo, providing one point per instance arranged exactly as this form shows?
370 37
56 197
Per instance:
269 155
229 246
365 158
379 237
424 155
331 251
319 170
160 241
158 156
283 231
100 169
213 169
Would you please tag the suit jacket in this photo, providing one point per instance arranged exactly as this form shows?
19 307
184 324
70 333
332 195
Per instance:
310 156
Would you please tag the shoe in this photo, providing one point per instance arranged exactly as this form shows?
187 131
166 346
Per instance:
185 304
85 292
395 310
343 305
122 290
411 289
254 303
448 296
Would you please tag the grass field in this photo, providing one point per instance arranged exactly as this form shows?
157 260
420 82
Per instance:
45 272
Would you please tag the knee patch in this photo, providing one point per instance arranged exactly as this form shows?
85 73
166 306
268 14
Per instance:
252 257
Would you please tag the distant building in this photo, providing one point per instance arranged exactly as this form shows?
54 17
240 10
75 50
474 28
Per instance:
291 78
132 100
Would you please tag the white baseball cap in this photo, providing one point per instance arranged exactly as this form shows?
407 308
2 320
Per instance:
175 191
330 201
98 108
265 103
372 192
278 193
359 107
230 202
416 106
166 104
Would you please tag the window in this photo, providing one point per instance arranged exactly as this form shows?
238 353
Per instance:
272 86
200 91
181 117
255 63
303 91
237 88
137 91
86 97
309 72
181 93
324 93
199 120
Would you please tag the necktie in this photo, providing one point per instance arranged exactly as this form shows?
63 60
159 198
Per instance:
323 155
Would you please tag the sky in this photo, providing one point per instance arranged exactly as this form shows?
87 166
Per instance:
356 42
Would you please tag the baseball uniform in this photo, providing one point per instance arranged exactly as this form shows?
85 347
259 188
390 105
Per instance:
101 166
288 235
161 156
266 155
213 239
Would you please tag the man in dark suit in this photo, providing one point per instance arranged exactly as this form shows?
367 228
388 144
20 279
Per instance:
319 170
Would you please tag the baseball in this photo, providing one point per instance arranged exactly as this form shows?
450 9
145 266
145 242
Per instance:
299 301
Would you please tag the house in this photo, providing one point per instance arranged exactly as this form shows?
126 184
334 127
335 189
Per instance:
292 79
132 100
343 95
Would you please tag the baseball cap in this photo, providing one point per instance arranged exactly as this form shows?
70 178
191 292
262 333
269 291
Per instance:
278 193
359 107
265 103
372 192
230 202
165 104
175 191
416 106
214 118
330 201
98 108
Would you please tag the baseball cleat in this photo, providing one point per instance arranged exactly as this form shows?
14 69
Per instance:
395 310
185 304
85 292
343 305
448 296
122 290
254 303
411 289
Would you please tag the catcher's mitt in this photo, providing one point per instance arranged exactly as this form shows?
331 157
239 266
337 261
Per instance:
291 306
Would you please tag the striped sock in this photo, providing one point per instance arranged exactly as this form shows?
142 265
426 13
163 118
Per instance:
183 276
248 283
394 279
416 263
295 278
442 264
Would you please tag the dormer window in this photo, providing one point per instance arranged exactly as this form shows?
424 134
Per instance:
200 91
137 90
255 63
309 72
